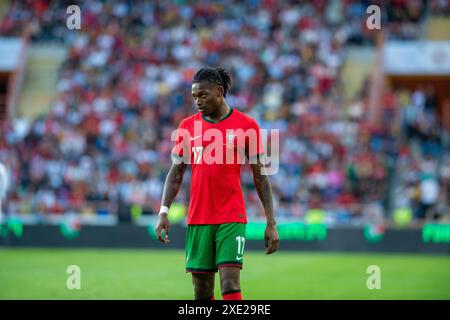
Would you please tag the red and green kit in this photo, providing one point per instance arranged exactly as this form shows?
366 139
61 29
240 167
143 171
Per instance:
216 217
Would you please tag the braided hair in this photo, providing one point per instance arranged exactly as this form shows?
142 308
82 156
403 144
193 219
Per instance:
218 76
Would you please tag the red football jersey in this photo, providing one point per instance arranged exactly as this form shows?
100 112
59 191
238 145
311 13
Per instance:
215 152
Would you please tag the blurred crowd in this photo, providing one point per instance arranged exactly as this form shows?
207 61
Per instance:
423 165
125 86
440 7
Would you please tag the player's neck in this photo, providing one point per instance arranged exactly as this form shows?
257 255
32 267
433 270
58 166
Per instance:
221 113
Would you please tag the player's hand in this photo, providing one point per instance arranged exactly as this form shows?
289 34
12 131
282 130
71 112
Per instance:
163 224
271 239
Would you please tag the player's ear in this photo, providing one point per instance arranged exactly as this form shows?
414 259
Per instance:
219 91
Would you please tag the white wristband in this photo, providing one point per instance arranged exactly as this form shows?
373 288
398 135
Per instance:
164 209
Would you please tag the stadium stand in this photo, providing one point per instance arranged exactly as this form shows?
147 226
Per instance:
124 85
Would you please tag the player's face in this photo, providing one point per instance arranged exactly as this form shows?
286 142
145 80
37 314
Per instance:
206 96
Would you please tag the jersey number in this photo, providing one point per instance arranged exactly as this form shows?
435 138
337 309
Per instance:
241 243
198 151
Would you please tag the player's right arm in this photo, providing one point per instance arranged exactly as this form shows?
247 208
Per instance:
172 185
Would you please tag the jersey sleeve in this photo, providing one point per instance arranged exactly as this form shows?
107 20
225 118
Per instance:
180 138
254 148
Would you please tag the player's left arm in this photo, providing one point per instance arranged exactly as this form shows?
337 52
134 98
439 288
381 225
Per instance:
264 189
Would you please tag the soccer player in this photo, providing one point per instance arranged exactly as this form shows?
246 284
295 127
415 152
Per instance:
216 217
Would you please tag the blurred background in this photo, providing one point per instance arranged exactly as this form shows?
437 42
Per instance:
364 116
87 114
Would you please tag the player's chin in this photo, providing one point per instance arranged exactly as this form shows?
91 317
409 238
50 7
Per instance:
203 111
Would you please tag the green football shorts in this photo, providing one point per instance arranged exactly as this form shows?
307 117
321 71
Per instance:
212 246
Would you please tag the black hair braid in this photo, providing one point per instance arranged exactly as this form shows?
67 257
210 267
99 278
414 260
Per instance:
226 80
218 76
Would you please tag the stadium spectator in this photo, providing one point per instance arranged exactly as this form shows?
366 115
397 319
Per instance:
105 144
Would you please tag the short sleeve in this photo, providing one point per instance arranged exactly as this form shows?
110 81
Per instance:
254 142
180 138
